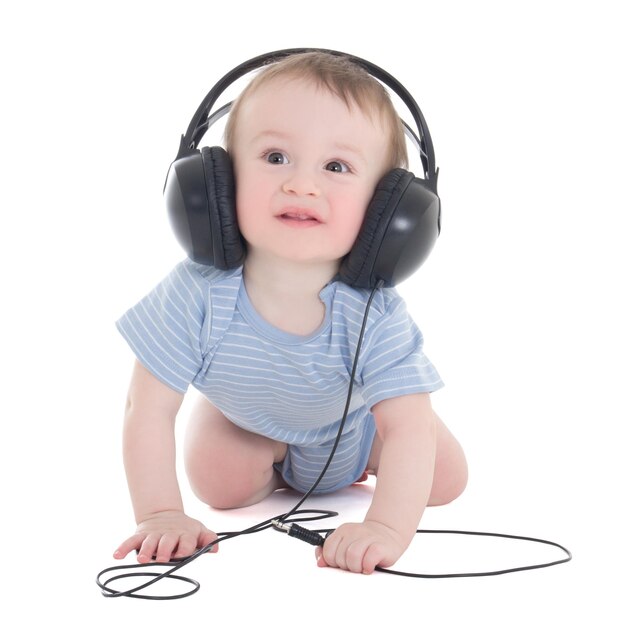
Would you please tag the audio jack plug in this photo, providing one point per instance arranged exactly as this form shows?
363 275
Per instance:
299 532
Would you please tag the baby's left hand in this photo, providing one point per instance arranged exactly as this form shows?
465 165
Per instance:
361 547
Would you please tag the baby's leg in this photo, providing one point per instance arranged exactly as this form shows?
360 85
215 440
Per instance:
229 467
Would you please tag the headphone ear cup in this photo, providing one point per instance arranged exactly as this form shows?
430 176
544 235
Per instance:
227 243
199 198
399 230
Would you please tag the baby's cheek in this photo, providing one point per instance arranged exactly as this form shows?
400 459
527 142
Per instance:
349 226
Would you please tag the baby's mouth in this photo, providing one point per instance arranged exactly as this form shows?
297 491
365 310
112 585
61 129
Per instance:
297 217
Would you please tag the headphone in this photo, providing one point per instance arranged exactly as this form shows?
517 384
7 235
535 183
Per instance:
400 227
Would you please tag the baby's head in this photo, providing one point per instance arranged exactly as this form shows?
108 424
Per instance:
344 79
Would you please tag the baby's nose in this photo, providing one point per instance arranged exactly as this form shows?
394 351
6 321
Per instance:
301 183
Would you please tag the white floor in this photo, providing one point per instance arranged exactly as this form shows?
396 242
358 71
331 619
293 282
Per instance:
67 533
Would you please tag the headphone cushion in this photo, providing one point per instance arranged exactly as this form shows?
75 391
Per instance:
228 245
358 267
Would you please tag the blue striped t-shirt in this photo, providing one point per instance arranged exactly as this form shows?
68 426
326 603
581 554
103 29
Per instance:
198 327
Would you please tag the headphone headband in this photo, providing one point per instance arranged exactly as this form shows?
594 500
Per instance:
401 222
203 118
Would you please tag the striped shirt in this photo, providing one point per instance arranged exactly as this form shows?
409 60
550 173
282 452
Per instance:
198 327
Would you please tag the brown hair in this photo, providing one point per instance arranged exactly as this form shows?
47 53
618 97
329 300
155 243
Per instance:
345 79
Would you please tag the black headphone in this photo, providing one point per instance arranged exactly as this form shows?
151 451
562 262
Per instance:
400 227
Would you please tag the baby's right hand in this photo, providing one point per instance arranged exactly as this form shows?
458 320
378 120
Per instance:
166 535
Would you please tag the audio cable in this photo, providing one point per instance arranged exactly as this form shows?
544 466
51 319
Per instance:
287 523
316 538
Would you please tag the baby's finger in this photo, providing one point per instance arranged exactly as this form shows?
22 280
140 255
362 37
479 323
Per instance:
373 556
132 543
354 555
207 537
187 545
167 545
320 558
148 548
332 553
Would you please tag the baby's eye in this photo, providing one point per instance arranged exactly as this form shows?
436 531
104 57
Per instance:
337 166
276 158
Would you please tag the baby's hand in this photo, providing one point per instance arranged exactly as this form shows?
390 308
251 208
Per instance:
361 547
166 535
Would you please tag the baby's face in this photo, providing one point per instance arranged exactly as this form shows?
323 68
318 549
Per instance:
306 168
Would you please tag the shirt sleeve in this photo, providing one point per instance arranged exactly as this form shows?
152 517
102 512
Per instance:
394 363
167 328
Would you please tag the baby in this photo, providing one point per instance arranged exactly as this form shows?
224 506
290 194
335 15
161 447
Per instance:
270 345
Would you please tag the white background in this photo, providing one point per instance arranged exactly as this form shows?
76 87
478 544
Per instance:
521 302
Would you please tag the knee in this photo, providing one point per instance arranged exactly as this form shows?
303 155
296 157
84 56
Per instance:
232 493
224 478
216 477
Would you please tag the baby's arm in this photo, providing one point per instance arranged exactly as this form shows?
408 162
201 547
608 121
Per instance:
163 529
407 428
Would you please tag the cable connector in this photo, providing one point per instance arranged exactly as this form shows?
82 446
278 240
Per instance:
299 532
